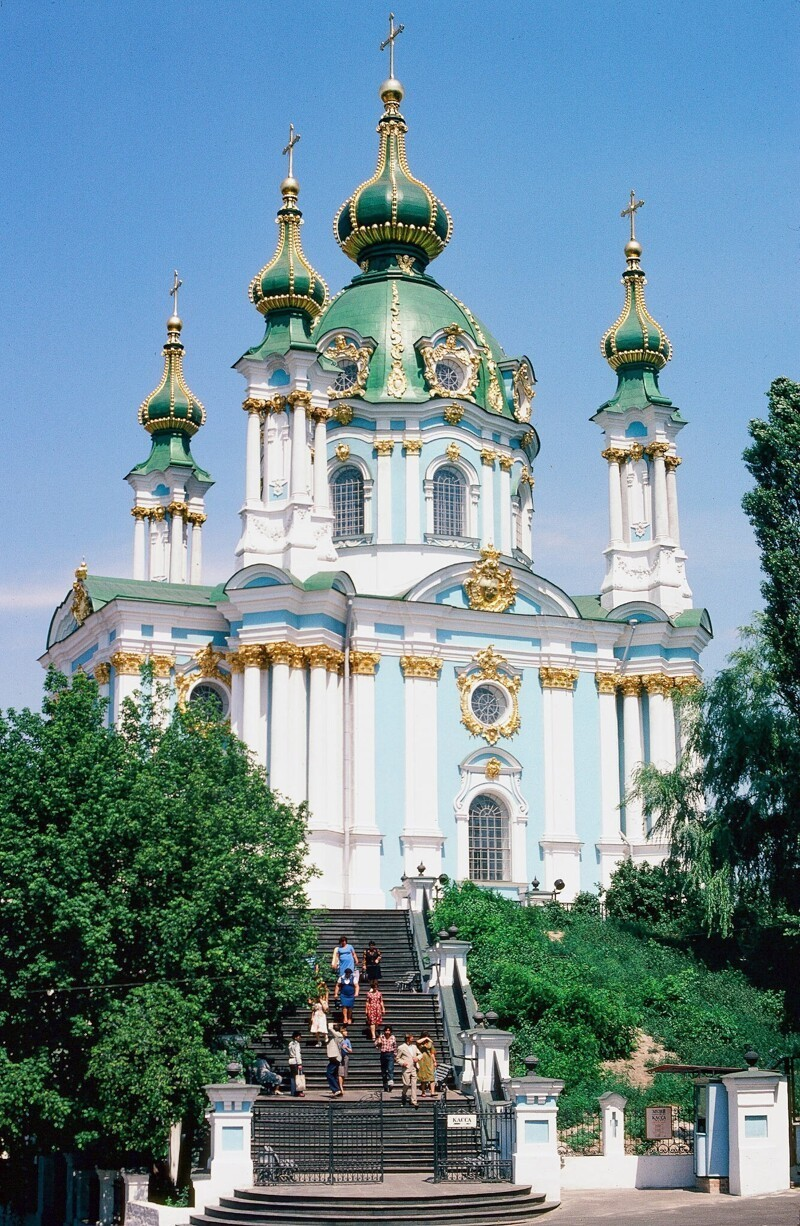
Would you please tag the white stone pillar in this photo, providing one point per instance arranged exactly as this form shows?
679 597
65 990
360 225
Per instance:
633 753
362 682
126 665
560 842
298 717
383 449
237 696
412 448
252 658
319 784
252 471
506 542
176 542
758 1132
536 1157
106 1180
333 733
280 725
657 451
421 835
298 473
487 1044
158 530
321 487
662 720
488 526
140 514
230 1165
612 1124
452 955
611 847
197 519
615 457
671 463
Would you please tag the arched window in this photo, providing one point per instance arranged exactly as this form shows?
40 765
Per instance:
489 858
213 697
348 502
448 502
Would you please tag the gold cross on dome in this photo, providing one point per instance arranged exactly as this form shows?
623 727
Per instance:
173 293
293 139
631 212
394 32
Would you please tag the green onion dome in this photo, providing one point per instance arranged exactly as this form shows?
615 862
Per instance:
636 339
393 210
288 282
172 407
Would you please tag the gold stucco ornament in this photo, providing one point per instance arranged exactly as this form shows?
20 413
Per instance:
490 586
81 607
498 685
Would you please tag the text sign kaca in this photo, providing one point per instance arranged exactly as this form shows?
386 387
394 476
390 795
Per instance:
658 1123
464 1120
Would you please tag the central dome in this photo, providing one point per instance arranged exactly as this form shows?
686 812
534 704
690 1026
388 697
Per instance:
393 211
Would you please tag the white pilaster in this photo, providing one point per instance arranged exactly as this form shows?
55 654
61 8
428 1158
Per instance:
611 846
237 699
176 544
662 721
671 464
139 543
560 843
298 479
364 836
251 657
279 728
614 457
660 511
384 448
505 505
197 521
412 450
422 835
633 753
488 532
252 486
298 716
319 783
321 488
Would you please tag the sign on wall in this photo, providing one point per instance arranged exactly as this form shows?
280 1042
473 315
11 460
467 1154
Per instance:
658 1123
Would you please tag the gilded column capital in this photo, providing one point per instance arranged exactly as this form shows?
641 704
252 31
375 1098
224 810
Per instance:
412 446
671 462
276 404
614 455
162 665
102 673
251 655
252 405
140 512
364 663
322 656
300 399
320 412
631 685
127 663
453 414
525 477
177 508
234 662
558 678
157 513
343 452
606 683
384 446
657 451
635 451
196 518
286 653
428 667
657 683
343 414
488 456
687 684
506 462
208 661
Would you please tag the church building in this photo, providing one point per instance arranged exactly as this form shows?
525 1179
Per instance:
384 645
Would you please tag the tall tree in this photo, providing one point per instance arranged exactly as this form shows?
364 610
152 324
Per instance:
152 895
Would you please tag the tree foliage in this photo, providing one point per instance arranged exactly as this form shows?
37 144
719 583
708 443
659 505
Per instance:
152 891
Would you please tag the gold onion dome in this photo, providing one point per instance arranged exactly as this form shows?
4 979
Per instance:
172 406
636 339
393 209
288 282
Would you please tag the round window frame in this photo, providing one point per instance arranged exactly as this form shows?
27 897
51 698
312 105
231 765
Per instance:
343 366
503 695
459 370
220 690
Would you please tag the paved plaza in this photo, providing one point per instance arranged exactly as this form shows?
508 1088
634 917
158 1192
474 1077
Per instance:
654 1208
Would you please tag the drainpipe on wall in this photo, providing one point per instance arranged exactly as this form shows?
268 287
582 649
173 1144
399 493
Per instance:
347 762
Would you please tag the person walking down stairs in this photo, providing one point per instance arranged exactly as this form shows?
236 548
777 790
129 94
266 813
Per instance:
334 1054
409 1056
386 1044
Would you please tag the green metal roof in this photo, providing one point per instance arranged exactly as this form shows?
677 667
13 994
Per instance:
170 448
103 589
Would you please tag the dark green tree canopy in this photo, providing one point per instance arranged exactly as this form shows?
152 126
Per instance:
152 897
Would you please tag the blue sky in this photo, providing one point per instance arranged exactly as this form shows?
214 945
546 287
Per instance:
139 137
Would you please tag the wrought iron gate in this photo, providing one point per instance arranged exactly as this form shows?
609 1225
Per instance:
473 1143
318 1143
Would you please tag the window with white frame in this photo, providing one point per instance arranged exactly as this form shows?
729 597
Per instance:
489 849
347 489
448 502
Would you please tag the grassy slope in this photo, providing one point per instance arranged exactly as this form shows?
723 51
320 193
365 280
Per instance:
577 1000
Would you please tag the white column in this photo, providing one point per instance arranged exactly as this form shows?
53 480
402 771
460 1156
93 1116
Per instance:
633 752
671 464
237 697
252 657
559 759
662 721
321 489
422 835
660 513
363 689
615 457
612 1124
252 474
296 774
412 449
505 505
197 520
626 479
536 1157
319 784
609 756
279 725
158 529
298 479
139 543
265 466
384 448
335 753
488 527
176 546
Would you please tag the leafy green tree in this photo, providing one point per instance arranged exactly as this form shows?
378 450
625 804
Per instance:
152 891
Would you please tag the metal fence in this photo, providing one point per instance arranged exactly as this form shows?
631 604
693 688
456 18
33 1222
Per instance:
473 1143
584 1138
322 1143
636 1140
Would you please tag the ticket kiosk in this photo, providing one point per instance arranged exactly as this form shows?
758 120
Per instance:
711 1139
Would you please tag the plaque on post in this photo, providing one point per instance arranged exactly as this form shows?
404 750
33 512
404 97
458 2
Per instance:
658 1123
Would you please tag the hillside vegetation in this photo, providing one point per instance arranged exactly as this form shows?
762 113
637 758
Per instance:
579 991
